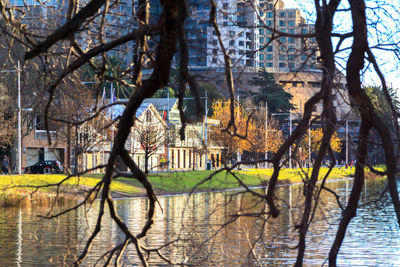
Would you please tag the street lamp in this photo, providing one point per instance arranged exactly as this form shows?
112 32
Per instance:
347 138
290 132
19 110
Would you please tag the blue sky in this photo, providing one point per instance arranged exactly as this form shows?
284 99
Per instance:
387 17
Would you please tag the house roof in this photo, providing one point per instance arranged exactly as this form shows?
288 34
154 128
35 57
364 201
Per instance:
117 110
142 109
161 103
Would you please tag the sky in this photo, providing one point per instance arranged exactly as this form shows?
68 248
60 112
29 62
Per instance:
389 18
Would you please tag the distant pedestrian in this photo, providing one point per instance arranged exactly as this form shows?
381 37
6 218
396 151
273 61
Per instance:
5 164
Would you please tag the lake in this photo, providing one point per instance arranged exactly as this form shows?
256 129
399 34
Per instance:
195 224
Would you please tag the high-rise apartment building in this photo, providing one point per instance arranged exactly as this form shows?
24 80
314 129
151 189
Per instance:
236 21
45 16
285 51
250 34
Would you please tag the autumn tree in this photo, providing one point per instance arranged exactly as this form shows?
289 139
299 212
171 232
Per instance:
311 142
223 136
258 135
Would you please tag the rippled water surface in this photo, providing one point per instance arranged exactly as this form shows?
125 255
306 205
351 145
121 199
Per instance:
373 238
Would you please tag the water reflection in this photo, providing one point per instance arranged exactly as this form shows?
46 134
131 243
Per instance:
228 228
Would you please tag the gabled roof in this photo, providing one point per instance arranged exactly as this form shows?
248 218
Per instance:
142 109
117 110
161 103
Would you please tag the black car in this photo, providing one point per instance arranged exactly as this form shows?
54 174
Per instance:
45 166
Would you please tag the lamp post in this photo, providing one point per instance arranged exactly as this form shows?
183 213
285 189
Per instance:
290 132
19 120
347 142
266 131
205 130
19 110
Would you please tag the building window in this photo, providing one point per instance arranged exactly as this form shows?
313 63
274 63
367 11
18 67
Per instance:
148 115
261 31
39 123
291 23
184 159
282 14
269 56
261 56
269 48
241 43
261 64
282 65
261 39
173 159
232 42
282 23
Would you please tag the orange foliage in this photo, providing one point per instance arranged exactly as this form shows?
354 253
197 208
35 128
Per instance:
225 137
315 138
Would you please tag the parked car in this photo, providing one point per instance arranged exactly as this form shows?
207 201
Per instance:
45 166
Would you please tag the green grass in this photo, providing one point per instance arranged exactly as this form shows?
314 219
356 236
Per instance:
17 185
185 181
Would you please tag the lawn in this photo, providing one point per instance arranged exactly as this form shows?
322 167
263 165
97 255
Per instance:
167 182
185 181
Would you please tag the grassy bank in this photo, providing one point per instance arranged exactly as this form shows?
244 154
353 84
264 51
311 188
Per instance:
185 181
16 188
